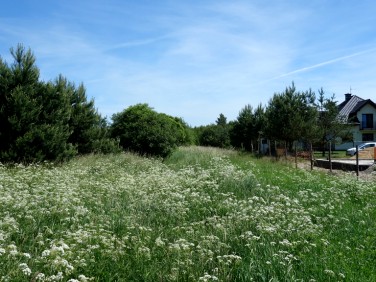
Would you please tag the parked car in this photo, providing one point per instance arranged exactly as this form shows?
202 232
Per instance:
352 151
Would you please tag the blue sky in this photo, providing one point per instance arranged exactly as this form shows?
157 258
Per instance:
197 59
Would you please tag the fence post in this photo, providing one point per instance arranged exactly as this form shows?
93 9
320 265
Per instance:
357 161
311 155
285 150
330 156
296 155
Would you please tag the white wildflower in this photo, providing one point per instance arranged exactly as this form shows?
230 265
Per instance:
159 242
83 278
46 253
57 249
25 269
145 251
329 272
64 263
285 242
40 277
57 277
13 253
208 277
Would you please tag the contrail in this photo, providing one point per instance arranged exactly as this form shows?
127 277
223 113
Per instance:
324 63
136 43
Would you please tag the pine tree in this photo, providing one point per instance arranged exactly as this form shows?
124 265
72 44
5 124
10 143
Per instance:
33 115
291 115
45 121
242 132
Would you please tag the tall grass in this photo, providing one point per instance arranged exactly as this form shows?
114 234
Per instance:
197 155
201 215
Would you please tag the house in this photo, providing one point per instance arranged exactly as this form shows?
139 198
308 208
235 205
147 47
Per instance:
361 117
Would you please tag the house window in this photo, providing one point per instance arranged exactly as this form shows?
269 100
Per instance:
367 120
367 137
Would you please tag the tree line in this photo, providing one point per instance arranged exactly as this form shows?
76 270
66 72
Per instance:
288 117
55 121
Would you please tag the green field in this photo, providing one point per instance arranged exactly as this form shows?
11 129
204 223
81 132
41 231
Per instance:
201 215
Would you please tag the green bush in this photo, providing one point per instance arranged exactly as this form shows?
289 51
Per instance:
141 129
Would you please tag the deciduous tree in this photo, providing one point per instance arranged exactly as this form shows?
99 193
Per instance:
141 129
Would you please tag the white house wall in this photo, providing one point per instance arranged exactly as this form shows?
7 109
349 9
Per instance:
357 135
367 109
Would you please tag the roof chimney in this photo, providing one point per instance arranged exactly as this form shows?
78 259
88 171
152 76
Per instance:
348 97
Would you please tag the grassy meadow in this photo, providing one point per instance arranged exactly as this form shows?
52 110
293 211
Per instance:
203 214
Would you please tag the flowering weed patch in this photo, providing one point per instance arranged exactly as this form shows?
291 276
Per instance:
127 218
